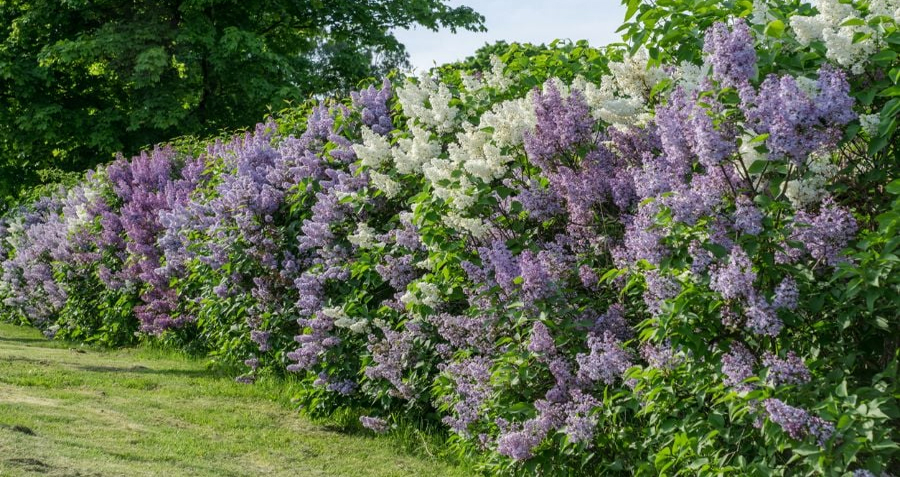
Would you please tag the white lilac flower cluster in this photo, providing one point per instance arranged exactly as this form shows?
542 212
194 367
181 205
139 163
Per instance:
422 293
810 188
364 237
621 98
869 123
479 155
495 78
428 102
343 320
838 24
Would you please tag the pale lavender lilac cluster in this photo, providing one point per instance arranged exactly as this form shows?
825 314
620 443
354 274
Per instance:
797 422
788 370
732 53
737 366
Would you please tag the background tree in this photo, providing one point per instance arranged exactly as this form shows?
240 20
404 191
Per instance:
80 80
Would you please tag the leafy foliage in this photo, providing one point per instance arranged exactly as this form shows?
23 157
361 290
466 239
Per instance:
83 80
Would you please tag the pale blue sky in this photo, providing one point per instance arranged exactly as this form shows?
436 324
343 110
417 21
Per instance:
534 21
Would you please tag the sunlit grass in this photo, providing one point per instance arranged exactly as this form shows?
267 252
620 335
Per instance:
68 410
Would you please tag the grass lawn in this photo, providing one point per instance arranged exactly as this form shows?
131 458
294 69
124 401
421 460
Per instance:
67 411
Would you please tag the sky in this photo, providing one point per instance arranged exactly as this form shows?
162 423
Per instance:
533 21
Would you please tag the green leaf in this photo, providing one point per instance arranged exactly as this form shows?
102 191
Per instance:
775 29
632 9
841 390
854 22
758 166
893 187
806 450
892 91
894 75
885 445
884 56
891 108
877 145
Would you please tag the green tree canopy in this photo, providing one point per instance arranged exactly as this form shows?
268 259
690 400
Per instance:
82 79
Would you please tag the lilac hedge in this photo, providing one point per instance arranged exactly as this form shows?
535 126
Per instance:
676 263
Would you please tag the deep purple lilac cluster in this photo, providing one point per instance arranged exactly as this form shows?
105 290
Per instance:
148 185
823 235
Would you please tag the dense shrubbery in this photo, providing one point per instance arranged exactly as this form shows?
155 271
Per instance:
643 260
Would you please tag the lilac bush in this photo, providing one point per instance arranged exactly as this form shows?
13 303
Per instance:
552 270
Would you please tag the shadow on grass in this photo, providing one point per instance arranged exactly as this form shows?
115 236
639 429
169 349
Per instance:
188 373
25 340
39 362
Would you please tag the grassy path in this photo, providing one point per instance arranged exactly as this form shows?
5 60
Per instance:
71 412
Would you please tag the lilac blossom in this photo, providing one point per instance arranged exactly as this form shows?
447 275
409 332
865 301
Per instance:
834 101
674 123
701 258
747 218
541 342
737 366
580 423
373 106
466 332
562 124
659 289
642 239
632 144
605 362
661 356
588 277
788 370
540 203
344 387
823 235
148 185
520 444
374 424
262 339
712 144
735 279
797 124
504 265
787 295
472 378
761 317
731 54
613 322
398 272
798 423
392 355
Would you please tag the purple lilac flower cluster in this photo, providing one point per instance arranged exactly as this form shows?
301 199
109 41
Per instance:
731 53
798 423
798 124
823 235
788 370
147 186
737 365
